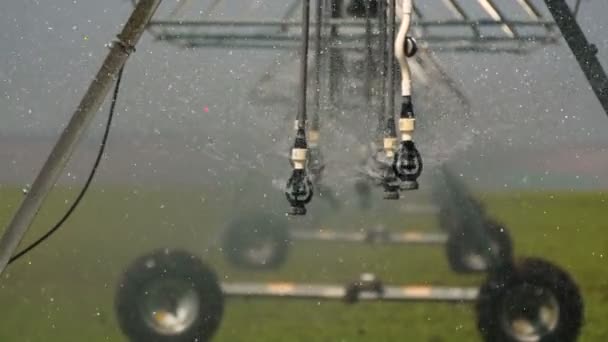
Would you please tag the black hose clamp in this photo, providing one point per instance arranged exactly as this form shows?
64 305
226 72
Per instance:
367 283
411 46
377 235
127 48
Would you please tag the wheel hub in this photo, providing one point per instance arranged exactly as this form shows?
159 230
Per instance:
478 261
260 250
530 313
169 306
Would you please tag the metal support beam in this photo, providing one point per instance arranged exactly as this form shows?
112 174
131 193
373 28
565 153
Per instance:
584 52
337 292
531 9
495 13
337 22
460 13
350 38
371 236
78 124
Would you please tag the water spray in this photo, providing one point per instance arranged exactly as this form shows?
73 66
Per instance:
316 163
390 181
299 190
382 158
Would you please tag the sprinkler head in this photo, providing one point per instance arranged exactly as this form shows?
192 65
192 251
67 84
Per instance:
408 165
384 174
388 178
408 185
299 187
316 164
390 194
299 192
391 184
297 211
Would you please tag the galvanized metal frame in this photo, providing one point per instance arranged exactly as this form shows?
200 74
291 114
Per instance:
352 35
584 52
200 33
174 32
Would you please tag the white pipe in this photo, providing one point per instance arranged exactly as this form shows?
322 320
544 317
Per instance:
404 12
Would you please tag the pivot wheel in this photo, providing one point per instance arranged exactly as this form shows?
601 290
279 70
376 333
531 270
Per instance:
532 301
258 241
169 296
465 256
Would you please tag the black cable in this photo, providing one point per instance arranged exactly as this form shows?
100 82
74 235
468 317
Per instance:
370 54
383 67
315 121
299 190
88 182
390 105
304 65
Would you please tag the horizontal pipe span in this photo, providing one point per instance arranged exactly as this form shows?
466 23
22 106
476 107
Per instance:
370 237
337 292
346 38
469 48
343 22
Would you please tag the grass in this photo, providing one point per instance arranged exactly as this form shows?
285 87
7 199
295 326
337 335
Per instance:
63 291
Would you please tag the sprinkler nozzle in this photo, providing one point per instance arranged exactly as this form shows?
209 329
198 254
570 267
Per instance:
408 162
299 187
389 181
316 164
391 187
299 192
408 165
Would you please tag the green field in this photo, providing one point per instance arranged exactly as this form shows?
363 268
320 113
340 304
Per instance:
63 291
